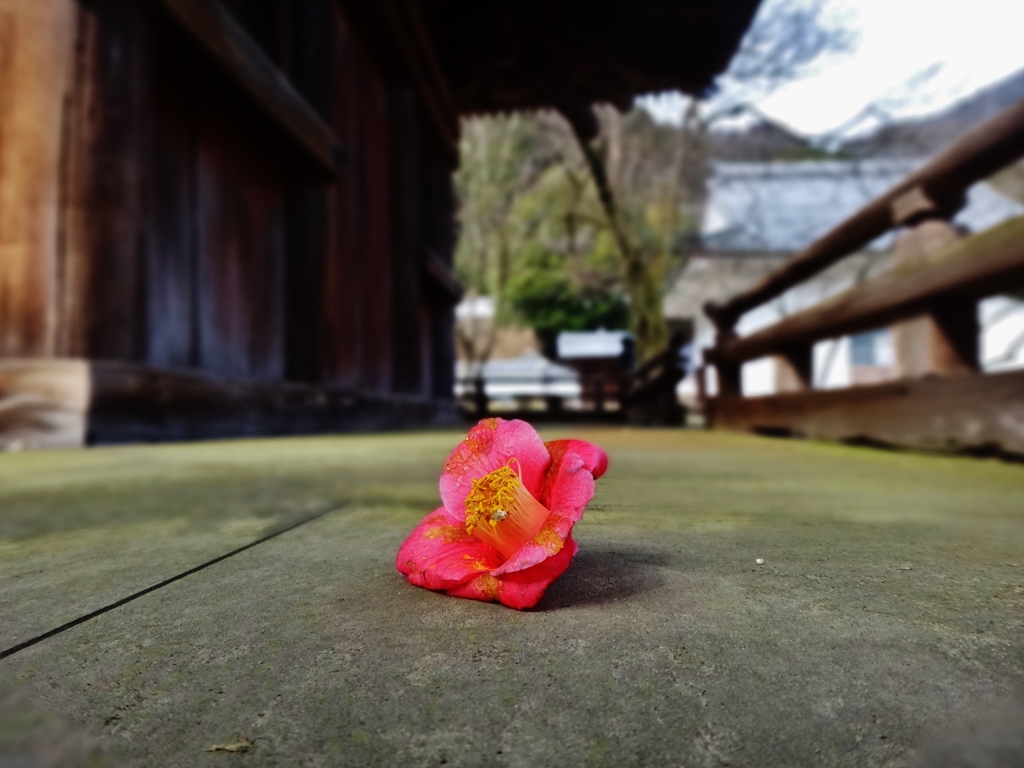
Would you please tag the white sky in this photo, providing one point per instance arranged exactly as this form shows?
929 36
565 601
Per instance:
972 44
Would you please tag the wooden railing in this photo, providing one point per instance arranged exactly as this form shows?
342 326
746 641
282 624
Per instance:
930 300
649 393
645 396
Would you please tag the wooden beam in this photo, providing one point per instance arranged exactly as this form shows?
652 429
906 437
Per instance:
730 376
442 277
217 31
67 403
447 112
975 267
943 183
794 369
43 403
964 413
946 339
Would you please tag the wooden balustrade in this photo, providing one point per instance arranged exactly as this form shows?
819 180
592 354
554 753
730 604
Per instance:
929 299
962 272
649 393
935 191
645 396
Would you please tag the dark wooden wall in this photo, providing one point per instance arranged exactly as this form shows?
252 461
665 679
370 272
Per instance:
190 232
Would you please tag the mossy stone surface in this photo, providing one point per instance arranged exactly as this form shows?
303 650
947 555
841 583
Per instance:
888 613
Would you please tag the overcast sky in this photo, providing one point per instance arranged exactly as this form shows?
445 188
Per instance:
967 45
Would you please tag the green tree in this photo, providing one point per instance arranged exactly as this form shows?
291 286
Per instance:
641 177
501 158
614 198
545 295
536 215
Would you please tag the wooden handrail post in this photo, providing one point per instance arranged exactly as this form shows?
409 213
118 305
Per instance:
730 379
945 340
956 343
481 405
730 373
794 369
701 378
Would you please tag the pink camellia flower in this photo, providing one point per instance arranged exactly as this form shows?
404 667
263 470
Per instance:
510 501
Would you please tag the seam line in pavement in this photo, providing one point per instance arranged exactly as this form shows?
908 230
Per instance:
143 592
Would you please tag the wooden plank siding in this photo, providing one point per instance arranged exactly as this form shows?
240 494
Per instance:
357 237
37 44
406 294
240 253
105 145
253 70
175 225
439 243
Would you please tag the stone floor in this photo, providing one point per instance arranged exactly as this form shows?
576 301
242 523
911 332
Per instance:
885 627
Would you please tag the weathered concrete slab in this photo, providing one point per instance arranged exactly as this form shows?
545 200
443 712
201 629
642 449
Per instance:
888 614
82 529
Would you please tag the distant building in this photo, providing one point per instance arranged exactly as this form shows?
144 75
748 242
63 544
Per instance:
757 215
519 382
592 345
779 208
587 374
602 359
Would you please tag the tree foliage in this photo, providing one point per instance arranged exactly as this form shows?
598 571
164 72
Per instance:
565 229
536 237
502 159
546 295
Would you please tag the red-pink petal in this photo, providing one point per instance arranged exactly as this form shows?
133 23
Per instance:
522 589
547 543
569 483
439 555
594 459
567 488
489 445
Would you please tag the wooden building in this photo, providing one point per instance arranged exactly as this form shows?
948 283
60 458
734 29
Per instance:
235 217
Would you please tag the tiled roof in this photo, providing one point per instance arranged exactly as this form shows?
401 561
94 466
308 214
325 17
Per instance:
783 207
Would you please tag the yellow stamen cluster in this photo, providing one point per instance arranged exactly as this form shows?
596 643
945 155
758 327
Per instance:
502 513
491 497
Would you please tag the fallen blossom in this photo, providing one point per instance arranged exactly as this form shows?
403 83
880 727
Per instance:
510 501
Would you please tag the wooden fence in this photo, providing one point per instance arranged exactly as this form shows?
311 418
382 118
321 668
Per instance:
644 396
930 298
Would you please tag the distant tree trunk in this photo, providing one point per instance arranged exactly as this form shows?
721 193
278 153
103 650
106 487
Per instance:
643 288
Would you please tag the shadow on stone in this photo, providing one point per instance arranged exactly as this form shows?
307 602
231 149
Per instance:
607 575
988 735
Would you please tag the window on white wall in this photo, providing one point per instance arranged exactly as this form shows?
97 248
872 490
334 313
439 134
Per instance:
872 349
1002 333
832 363
758 377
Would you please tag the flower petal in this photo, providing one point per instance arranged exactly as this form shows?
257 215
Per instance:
439 555
594 459
522 589
569 483
567 488
489 445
